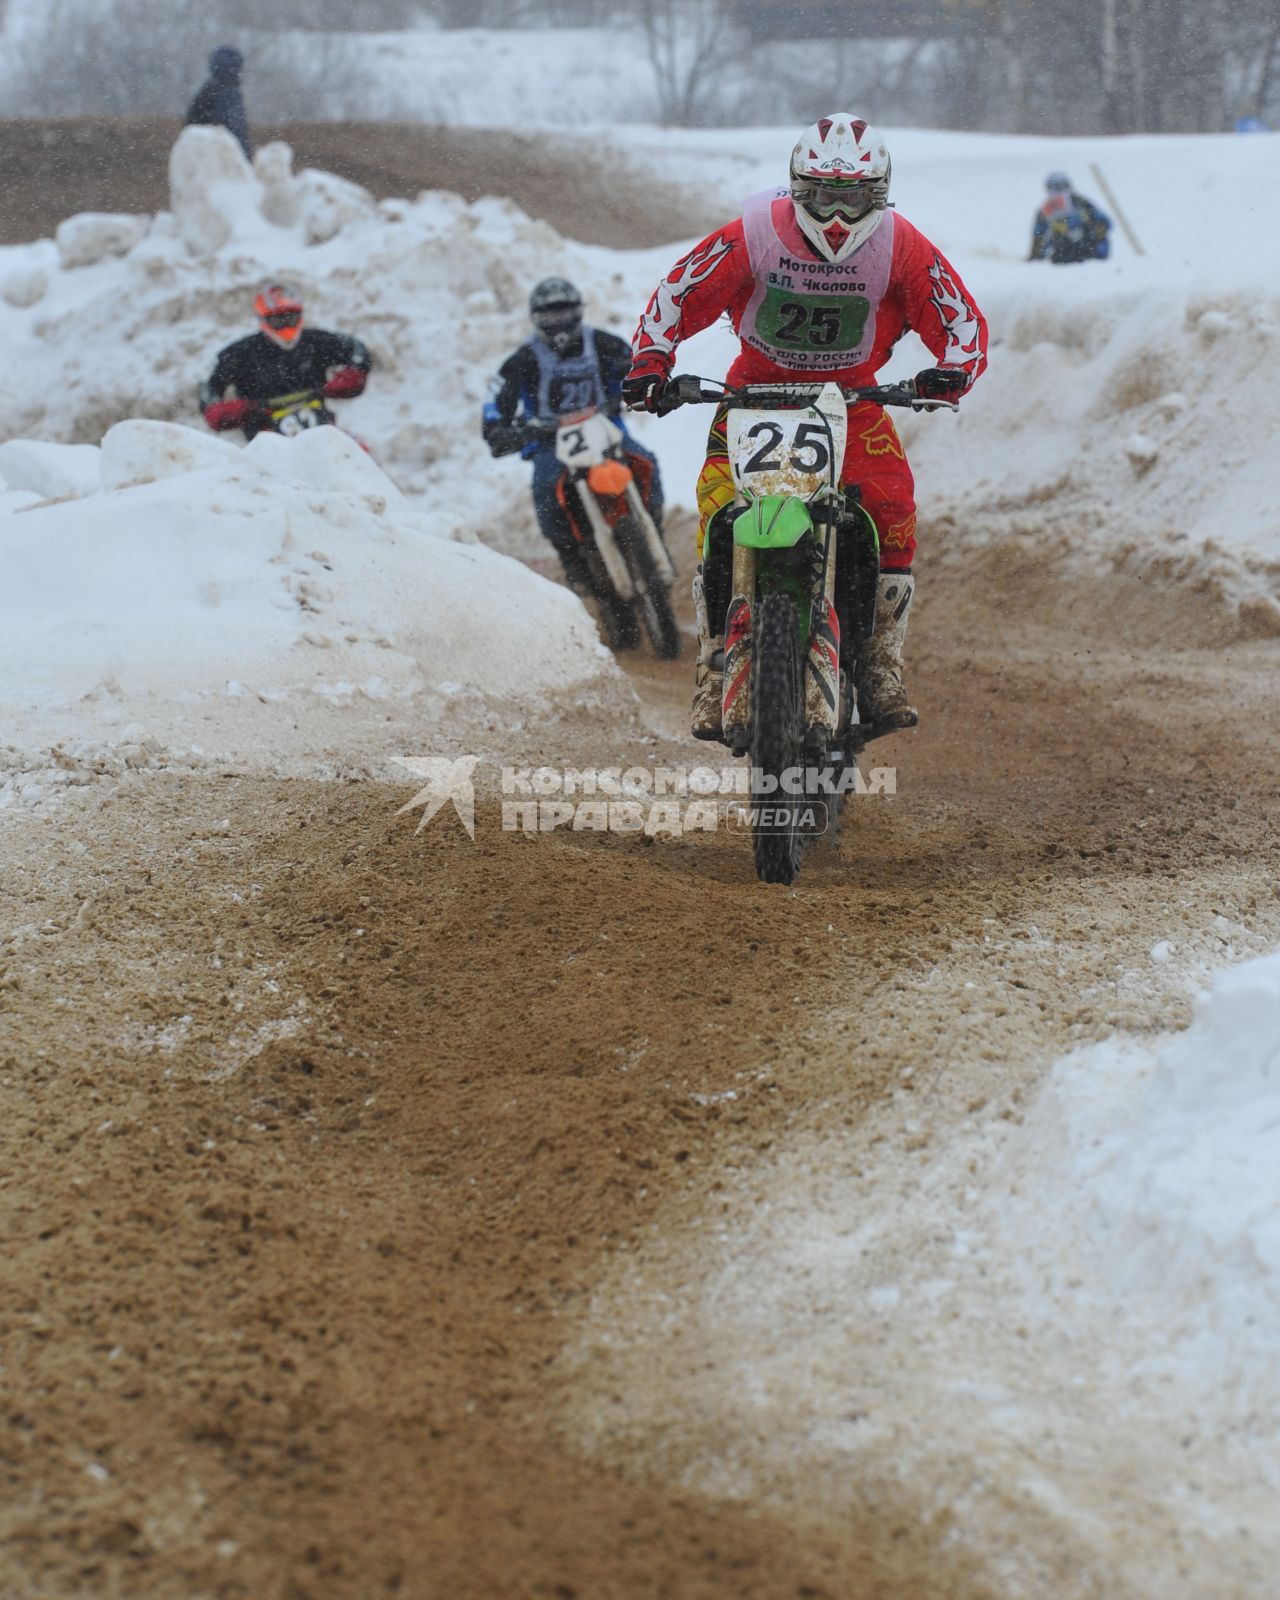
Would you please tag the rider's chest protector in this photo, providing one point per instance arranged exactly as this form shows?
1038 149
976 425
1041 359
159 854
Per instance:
567 383
804 313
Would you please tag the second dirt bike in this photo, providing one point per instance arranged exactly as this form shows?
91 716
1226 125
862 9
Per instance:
789 574
295 413
630 569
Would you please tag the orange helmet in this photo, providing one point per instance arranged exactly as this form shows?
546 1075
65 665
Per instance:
279 313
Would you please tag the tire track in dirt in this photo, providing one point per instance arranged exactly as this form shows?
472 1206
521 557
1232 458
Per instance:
321 1134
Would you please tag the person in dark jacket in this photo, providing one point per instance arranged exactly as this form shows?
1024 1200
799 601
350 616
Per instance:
282 361
1068 227
219 102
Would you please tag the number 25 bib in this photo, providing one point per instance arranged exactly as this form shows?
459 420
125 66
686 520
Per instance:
808 314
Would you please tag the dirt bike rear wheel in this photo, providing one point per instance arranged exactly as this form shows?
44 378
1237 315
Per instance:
777 741
653 598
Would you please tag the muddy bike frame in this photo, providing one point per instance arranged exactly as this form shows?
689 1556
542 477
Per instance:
786 446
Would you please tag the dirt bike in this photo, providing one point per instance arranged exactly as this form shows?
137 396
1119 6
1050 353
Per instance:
793 619
630 569
292 414
295 413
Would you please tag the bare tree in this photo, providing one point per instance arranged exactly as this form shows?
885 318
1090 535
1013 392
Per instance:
134 56
690 43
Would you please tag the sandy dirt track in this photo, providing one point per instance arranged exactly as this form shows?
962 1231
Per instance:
319 1133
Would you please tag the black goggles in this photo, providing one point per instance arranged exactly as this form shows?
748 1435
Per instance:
849 201
557 319
283 319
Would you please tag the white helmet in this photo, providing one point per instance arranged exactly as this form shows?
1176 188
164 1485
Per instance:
840 172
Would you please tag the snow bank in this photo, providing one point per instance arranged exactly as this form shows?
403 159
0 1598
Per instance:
437 288
1125 418
211 186
1059 1332
1122 424
1123 430
92 236
49 471
293 572
1142 1200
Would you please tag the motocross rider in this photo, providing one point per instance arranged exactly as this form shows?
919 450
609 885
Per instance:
564 366
820 281
1067 227
282 358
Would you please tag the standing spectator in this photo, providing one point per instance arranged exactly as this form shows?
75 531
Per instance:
1068 227
219 102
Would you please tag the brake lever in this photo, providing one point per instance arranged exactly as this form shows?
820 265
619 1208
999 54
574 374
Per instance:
683 390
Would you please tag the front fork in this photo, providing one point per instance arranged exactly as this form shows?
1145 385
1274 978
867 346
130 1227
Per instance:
736 704
615 562
822 661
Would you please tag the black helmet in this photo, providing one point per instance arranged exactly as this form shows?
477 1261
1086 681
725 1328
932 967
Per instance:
226 64
556 308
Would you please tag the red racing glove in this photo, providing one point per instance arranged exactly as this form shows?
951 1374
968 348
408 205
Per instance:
643 385
224 414
346 384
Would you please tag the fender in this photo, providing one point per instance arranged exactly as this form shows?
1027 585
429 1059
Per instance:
772 522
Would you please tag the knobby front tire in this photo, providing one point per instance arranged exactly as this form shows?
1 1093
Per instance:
653 598
777 739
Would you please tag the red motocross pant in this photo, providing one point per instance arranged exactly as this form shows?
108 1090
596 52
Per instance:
873 459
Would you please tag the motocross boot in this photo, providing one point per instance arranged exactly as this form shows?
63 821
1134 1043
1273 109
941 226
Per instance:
708 680
882 696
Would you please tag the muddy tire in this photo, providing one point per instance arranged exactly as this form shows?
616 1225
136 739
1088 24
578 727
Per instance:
776 739
653 597
618 622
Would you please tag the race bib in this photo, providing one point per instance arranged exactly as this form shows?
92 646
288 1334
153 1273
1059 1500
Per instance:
791 320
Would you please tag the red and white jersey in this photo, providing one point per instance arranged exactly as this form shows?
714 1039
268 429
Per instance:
799 315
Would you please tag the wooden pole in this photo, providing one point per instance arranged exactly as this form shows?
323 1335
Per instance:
1109 196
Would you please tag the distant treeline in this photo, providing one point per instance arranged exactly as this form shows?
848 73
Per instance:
1018 66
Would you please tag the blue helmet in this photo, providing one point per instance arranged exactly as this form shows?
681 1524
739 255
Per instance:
1057 181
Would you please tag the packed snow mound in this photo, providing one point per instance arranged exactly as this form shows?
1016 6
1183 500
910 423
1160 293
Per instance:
1080 1305
1135 430
211 185
436 287
92 236
291 571
49 471
1144 1189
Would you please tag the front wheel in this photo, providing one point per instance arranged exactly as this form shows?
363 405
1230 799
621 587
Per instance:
618 620
777 740
653 598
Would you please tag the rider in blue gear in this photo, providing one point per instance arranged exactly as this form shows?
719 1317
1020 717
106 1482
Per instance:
563 367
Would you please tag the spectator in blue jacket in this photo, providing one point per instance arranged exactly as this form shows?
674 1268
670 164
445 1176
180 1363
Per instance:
1068 227
219 102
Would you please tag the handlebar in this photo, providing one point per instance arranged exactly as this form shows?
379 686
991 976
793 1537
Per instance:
687 390
288 402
